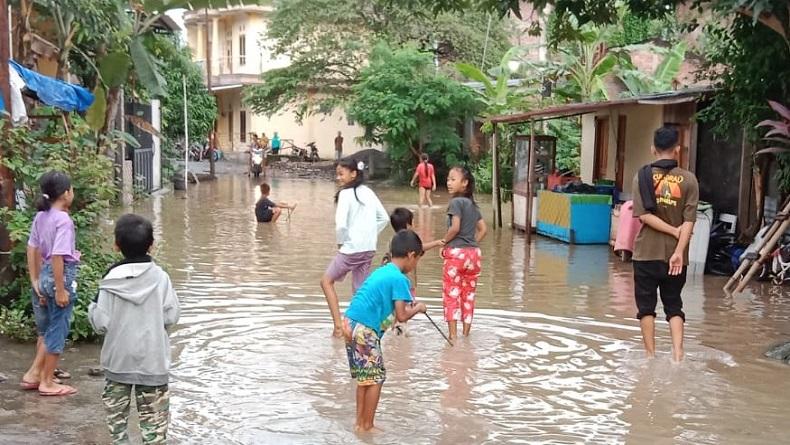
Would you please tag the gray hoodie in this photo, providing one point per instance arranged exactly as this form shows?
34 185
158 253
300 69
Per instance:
136 304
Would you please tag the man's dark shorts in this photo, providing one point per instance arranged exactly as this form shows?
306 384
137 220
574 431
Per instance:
653 276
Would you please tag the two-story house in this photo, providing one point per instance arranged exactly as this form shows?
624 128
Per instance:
239 55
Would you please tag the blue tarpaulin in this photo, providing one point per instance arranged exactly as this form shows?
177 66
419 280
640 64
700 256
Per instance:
54 92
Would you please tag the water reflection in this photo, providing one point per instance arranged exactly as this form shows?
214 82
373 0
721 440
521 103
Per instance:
555 356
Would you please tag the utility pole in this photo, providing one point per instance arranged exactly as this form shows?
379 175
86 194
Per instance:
6 177
212 134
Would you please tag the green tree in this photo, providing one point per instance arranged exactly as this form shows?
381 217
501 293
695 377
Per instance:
639 82
202 106
585 62
568 132
496 92
328 42
756 60
403 103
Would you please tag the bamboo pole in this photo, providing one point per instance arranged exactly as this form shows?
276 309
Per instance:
747 262
767 249
780 225
530 179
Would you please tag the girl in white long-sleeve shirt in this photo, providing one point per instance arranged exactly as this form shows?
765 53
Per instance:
359 219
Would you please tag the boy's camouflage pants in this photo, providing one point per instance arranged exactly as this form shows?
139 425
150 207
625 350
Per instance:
153 408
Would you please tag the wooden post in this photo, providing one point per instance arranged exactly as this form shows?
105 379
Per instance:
495 186
7 193
530 179
745 186
212 136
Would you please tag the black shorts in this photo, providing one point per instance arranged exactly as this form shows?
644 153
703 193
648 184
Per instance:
653 276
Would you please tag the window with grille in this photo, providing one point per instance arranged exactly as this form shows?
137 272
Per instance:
242 49
243 126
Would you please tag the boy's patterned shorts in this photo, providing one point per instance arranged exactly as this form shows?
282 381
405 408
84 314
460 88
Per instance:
365 359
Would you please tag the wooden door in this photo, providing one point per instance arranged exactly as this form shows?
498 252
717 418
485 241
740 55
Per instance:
620 161
601 148
684 138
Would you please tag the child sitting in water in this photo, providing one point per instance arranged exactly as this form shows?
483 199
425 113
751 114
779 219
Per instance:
383 298
403 219
267 210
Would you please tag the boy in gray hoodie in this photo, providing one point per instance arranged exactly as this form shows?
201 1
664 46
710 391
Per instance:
135 305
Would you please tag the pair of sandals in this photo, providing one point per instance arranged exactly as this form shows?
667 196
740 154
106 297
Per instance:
59 374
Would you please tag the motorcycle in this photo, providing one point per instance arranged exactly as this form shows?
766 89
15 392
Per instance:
198 151
313 152
257 162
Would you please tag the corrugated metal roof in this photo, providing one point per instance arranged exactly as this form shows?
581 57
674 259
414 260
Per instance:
574 109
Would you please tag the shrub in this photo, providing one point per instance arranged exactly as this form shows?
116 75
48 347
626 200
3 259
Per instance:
29 154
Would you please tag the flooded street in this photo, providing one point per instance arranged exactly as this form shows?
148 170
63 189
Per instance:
555 354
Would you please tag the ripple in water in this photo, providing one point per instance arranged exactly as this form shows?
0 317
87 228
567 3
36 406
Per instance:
554 357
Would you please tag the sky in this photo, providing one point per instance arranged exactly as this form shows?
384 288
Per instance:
178 16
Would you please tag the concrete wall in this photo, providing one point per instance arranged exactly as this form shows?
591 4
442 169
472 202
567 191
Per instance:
587 163
320 129
641 121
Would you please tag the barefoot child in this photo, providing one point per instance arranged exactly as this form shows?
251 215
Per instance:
268 211
666 201
402 219
359 218
426 174
135 305
53 242
383 298
465 229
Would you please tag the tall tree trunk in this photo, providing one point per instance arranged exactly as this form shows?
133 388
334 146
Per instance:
113 100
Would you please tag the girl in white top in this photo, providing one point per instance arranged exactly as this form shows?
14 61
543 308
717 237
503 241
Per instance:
359 219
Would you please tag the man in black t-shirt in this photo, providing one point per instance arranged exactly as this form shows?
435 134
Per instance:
268 211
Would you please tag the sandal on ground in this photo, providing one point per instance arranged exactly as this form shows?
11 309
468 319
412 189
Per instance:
61 374
63 391
28 386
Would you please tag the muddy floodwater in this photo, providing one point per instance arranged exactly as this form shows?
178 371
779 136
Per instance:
554 357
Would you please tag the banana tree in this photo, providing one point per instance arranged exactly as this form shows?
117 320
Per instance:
639 82
585 63
497 93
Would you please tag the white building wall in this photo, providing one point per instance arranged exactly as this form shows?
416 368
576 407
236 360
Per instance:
320 129
587 162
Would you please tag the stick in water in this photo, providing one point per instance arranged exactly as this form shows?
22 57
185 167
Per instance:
438 329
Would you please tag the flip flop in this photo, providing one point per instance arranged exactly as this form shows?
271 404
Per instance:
64 391
61 374
28 386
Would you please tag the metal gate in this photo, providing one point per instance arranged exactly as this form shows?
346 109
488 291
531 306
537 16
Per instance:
143 170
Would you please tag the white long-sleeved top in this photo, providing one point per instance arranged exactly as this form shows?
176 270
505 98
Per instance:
359 220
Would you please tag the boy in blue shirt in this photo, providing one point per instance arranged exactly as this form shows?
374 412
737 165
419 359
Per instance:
384 297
